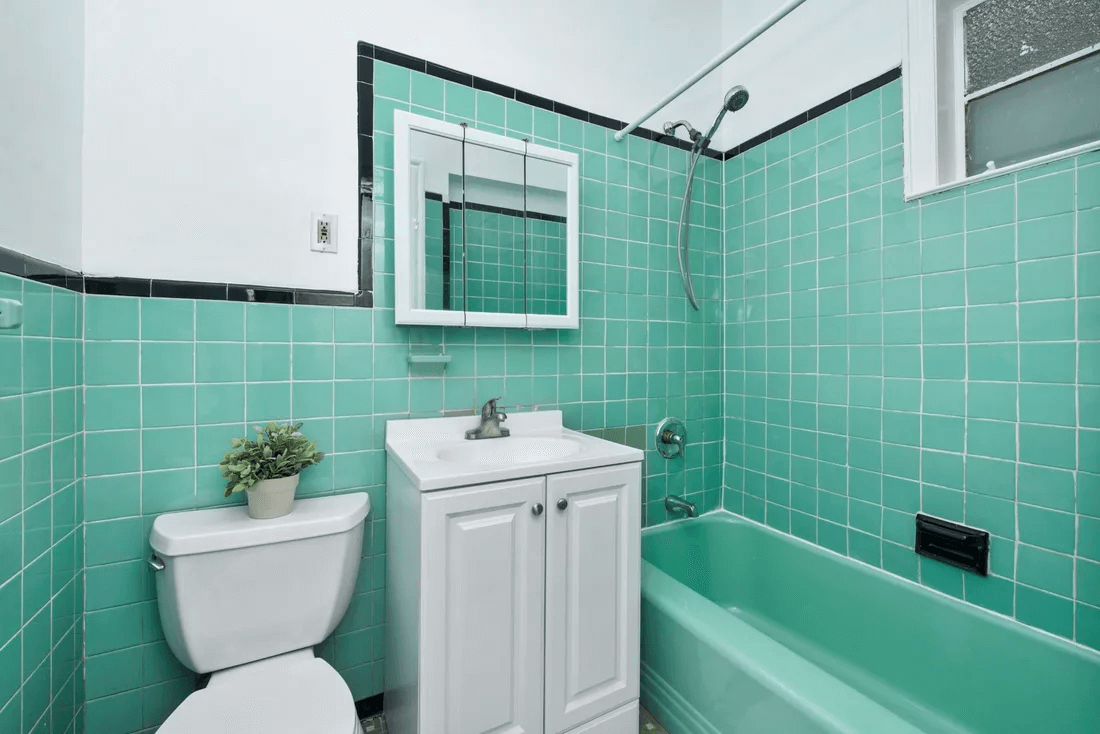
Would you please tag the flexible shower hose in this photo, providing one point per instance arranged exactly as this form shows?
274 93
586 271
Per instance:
682 234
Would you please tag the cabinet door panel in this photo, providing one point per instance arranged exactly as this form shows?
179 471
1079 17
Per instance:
593 598
482 624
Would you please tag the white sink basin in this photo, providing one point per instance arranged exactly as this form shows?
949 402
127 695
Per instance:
510 450
433 453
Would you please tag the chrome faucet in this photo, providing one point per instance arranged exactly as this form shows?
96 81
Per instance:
490 423
677 505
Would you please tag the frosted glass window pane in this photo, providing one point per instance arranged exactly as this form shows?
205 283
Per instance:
1006 38
1053 111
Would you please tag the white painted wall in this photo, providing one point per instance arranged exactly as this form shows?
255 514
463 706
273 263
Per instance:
41 104
213 129
823 48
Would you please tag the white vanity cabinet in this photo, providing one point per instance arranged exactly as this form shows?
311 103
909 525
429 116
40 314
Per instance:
513 606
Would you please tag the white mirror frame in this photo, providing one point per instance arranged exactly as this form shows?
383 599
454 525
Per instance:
408 261
408 255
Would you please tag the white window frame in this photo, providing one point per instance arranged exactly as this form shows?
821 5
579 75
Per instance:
935 100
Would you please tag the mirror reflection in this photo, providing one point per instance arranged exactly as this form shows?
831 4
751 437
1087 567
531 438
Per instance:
547 208
435 183
494 231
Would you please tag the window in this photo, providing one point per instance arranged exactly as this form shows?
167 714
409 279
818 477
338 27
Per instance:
997 84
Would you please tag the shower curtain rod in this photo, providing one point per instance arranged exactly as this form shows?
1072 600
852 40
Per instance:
714 63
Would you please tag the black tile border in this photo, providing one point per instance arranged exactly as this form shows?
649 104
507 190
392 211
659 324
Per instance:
370 51
119 287
814 112
367 707
24 266
364 128
491 209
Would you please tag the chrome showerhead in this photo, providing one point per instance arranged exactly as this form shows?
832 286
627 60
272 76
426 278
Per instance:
736 98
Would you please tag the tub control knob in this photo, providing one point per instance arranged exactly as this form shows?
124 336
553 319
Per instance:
563 503
671 438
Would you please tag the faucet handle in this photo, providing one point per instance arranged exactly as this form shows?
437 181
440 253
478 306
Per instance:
489 409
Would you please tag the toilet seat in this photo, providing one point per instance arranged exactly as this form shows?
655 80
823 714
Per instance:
289 694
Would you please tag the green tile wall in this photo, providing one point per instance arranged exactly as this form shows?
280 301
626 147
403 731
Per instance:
494 261
546 272
514 265
433 253
502 250
457 258
884 358
41 513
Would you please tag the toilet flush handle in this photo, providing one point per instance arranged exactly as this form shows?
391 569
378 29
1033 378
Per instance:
155 563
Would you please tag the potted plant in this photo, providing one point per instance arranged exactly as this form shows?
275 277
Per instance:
268 468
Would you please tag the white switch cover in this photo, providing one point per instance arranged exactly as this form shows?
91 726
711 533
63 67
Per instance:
322 237
11 313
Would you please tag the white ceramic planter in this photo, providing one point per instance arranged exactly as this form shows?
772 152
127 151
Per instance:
272 498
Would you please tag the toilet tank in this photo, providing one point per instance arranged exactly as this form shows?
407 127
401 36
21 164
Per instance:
234 590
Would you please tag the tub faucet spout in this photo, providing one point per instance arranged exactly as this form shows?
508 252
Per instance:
678 505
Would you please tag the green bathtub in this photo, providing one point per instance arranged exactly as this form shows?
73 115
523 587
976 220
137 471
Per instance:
746 630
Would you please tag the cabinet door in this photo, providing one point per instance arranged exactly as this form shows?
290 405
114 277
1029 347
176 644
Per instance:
481 649
593 593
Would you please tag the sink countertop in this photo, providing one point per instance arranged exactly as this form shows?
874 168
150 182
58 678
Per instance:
415 445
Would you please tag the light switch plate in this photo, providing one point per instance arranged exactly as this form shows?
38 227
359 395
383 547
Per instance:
322 232
11 313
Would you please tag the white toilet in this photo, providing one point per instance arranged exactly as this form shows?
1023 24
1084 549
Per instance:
247 600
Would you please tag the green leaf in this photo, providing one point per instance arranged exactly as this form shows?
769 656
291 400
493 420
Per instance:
278 451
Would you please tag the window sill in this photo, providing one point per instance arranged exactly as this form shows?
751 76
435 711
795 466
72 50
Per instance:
1014 168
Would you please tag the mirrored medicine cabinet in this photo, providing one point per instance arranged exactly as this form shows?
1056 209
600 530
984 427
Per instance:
486 228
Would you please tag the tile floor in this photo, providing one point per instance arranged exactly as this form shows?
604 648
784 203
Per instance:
374 725
646 725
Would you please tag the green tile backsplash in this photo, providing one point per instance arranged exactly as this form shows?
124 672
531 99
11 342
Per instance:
41 512
885 357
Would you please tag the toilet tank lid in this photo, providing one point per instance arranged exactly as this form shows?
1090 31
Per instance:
226 528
